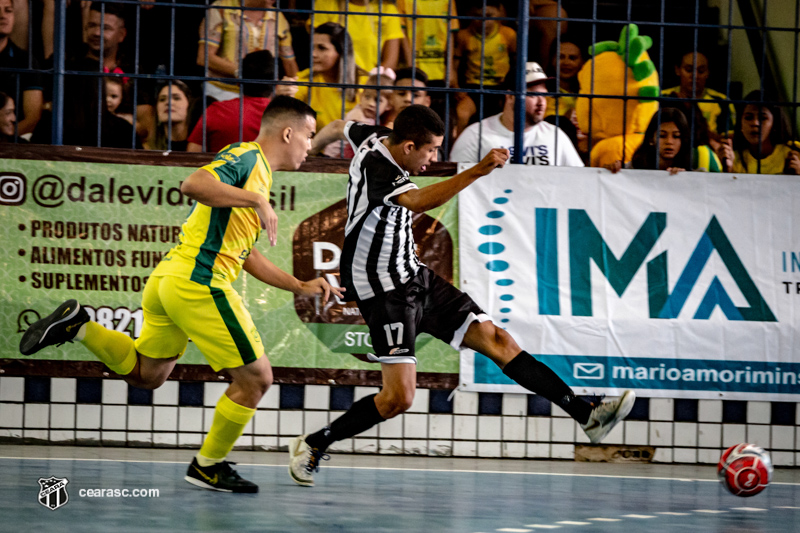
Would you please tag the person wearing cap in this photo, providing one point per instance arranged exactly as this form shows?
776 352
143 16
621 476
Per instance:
545 144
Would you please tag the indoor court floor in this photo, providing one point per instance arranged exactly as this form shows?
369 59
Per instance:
383 493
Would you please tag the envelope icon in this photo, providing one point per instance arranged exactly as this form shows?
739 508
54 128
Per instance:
588 370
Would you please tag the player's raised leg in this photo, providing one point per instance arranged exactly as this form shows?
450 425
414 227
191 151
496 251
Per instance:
70 322
497 344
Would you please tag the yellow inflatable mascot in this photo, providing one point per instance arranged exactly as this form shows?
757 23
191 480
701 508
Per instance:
619 68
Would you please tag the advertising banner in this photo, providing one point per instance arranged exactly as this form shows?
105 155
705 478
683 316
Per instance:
684 286
95 231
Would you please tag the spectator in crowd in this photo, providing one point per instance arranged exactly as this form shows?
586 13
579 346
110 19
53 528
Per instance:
116 98
567 61
410 87
667 147
8 120
106 27
545 144
543 33
26 88
761 142
222 118
372 108
484 52
223 47
364 26
173 117
333 62
693 70
431 37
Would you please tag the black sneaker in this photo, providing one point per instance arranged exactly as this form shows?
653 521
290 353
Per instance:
219 477
57 328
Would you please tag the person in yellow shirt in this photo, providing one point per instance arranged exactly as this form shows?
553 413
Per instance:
365 24
333 62
430 38
223 47
693 70
484 51
189 294
760 143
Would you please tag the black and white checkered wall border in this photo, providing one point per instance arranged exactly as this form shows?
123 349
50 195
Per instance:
110 412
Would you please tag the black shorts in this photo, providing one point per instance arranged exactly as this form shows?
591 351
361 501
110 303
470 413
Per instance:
426 304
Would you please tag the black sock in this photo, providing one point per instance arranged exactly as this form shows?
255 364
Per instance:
539 378
361 416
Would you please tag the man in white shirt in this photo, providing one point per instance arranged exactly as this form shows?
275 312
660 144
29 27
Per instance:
545 144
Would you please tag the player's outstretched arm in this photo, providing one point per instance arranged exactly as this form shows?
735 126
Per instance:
265 270
201 186
332 132
432 196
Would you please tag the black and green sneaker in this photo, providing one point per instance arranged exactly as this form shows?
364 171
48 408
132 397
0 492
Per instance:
57 328
219 477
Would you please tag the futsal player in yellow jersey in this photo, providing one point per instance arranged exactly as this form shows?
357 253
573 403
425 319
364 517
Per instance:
190 294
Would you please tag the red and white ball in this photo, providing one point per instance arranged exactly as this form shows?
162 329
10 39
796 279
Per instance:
745 469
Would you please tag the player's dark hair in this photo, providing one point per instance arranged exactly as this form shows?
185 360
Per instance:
418 124
283 107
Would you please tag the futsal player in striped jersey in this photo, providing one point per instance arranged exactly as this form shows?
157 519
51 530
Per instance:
399 297
189 294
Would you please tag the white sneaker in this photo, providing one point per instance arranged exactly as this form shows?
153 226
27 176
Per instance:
304 461
605 416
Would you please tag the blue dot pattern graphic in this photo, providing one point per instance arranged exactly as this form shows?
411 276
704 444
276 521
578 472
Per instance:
491 248
495 249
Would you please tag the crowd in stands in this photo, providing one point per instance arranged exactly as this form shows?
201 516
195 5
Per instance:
367 63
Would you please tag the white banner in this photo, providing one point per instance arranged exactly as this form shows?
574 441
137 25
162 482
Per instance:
682 286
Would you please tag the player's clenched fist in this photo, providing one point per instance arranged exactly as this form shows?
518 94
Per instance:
497 157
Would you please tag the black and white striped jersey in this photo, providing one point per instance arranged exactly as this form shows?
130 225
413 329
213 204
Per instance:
379 252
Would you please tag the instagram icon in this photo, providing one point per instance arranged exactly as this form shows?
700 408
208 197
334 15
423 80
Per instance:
12 188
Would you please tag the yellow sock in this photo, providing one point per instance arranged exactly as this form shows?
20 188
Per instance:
230 418
113 348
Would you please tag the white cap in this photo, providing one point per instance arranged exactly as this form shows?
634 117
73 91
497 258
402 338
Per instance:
535 74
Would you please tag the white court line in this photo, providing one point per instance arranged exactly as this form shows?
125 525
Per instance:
542 526
513 530
640 516
786 507
749 509
573 523
669 513
454 470
605 519
710 511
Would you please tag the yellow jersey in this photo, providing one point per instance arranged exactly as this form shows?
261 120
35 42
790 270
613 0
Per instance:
215 241
326 101
746 163
431 34
718 112
496 49
362 26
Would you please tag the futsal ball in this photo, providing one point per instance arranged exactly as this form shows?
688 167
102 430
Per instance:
745 469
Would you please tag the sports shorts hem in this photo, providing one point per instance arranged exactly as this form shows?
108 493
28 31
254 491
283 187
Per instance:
458 335
392 359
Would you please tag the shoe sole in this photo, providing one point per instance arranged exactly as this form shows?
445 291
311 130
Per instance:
627 400
31 340
203 485
294 445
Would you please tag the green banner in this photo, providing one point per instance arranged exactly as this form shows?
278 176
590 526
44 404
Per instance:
94 232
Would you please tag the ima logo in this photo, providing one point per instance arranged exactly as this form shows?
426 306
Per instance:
586 245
